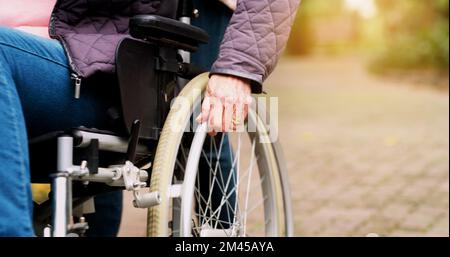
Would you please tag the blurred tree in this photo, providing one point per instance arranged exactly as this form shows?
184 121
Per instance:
303 37
301 40
416 35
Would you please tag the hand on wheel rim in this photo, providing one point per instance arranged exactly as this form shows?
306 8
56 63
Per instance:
225 105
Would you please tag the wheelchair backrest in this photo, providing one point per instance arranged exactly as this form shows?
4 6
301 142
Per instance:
147 80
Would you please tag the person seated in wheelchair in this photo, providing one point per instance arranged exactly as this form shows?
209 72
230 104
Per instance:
67 77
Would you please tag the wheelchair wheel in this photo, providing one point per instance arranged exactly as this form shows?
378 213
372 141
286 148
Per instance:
246 196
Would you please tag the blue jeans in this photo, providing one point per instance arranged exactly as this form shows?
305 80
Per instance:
36 97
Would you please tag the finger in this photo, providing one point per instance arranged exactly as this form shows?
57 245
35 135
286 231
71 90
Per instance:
217 112
247 103
206 108
234 117
236 107
212 133
210 130
228 115
239 116
245 111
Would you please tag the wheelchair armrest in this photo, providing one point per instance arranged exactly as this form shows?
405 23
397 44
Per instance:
167 31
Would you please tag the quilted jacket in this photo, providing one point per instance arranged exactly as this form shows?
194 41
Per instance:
90 31
255 38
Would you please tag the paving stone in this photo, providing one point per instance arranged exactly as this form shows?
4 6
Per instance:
420 219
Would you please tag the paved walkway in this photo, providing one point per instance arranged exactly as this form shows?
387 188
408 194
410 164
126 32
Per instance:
370 156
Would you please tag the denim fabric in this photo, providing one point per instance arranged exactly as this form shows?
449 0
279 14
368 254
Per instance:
36 97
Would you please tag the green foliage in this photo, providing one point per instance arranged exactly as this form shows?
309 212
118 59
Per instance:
416 35
404 34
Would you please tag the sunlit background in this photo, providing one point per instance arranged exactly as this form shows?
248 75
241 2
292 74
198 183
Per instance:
364 110
394 37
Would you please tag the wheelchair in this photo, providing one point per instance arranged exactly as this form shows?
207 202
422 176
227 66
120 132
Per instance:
158 152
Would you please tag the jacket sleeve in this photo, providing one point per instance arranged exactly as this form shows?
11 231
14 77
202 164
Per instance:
255 38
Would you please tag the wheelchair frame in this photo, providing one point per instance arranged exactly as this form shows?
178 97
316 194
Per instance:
127 174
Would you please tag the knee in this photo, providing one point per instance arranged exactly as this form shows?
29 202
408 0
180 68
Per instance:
7 36
5 33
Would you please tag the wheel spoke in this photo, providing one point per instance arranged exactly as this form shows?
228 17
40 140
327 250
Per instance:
208 213
248 185
215 172
231 193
